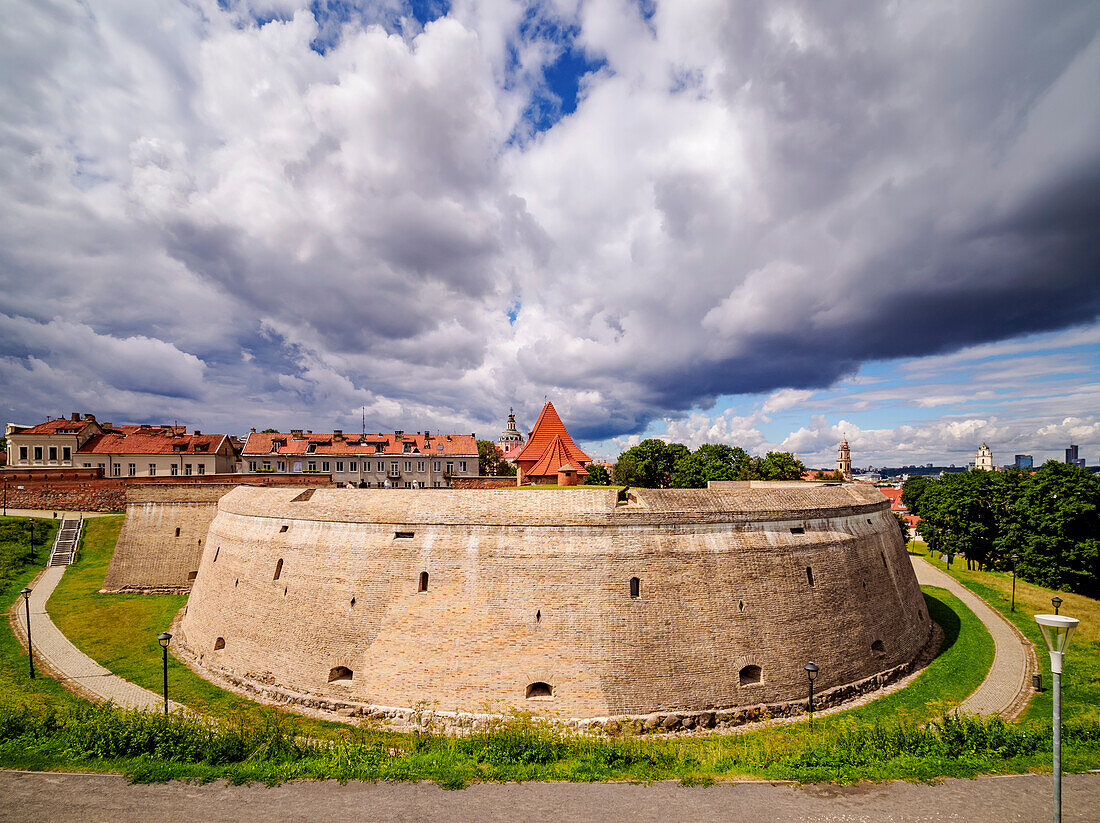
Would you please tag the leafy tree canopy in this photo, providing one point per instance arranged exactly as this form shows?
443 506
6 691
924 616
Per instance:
491 462
597 475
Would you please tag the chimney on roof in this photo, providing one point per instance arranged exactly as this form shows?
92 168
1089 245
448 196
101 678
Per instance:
427 434
338 435
90 418
296 434
197 431
144 426
253 429
398 434
75 416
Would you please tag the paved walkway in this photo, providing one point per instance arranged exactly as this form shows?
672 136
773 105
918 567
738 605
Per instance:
76 798
1007 687
55 652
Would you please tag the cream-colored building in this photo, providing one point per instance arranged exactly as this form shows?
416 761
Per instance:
119 451
395 460
984 459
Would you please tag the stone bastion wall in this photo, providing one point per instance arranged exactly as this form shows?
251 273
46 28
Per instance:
569 603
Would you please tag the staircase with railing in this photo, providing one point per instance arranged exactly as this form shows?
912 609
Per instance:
66 542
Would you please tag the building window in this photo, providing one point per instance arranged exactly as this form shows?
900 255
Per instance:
281 466
311 465
339 465
152 469
393 469
420 466
340 673
353 466
635 588
87 465
809 575
175 470
540 690
187 469
132 470
408 485
202 468
878 648
435 484
37 452
325 465
22 452
750 676
422 585
450 467
435 465
252 465
117 469
408 465
219 644
66 453
267 465
381 467
53 452
278 569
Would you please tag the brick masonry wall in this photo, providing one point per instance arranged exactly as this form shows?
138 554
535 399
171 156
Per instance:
483 482
534 586
161 541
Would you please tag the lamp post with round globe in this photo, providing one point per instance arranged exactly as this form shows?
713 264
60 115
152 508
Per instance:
164 639
811 674
1057 630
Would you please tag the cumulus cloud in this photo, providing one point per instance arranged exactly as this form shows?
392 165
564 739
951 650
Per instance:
303 209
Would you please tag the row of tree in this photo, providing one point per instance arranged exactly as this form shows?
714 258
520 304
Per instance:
655 464
1049 519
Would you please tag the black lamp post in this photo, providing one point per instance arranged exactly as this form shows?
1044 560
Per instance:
1056 601
5 497
30 653
164 638
811 673
1015 557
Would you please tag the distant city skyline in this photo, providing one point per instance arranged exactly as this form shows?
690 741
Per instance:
766 224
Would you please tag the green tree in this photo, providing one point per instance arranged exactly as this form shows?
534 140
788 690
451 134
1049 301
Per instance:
491 462
912 490
903 527
270 431
597 475
711 461
777 466
650 464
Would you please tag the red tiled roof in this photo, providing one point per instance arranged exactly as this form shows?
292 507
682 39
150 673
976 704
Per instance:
61 425
895 498
260 444
548 428
554 458
152 442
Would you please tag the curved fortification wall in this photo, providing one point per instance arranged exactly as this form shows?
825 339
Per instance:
569 602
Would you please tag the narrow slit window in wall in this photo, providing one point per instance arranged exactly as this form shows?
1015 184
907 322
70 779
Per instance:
283 528
177 531
539 690
340 673
422 584
741 606
797 530
278 569
635 588
920 614
353 602
219 643
216 552
809 575
403 535
883 556
750 676
538 616
192 575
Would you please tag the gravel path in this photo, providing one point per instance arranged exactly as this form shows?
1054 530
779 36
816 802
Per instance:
33 797
56 653
1007 688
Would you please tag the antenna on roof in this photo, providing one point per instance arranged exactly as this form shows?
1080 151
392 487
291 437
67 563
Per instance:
364 421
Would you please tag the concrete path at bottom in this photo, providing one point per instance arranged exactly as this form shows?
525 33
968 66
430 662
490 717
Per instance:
33 797
1006 689
54 651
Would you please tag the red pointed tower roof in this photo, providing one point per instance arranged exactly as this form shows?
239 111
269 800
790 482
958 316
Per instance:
549 437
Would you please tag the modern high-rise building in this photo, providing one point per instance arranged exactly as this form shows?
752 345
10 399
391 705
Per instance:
1024 461
1073 459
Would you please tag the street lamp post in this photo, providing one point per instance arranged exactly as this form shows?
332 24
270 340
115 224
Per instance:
1057 630
811 673
1056 601
30 653
1015 557
164 638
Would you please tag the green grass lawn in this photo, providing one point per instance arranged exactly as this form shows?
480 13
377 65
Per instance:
1081 679
42 726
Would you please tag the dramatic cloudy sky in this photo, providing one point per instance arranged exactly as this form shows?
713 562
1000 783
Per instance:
767 224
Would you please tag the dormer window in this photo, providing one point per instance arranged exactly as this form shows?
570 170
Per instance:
274 445
310 449
179 447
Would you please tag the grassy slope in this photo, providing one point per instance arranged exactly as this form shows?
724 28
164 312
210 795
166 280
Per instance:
1081 680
